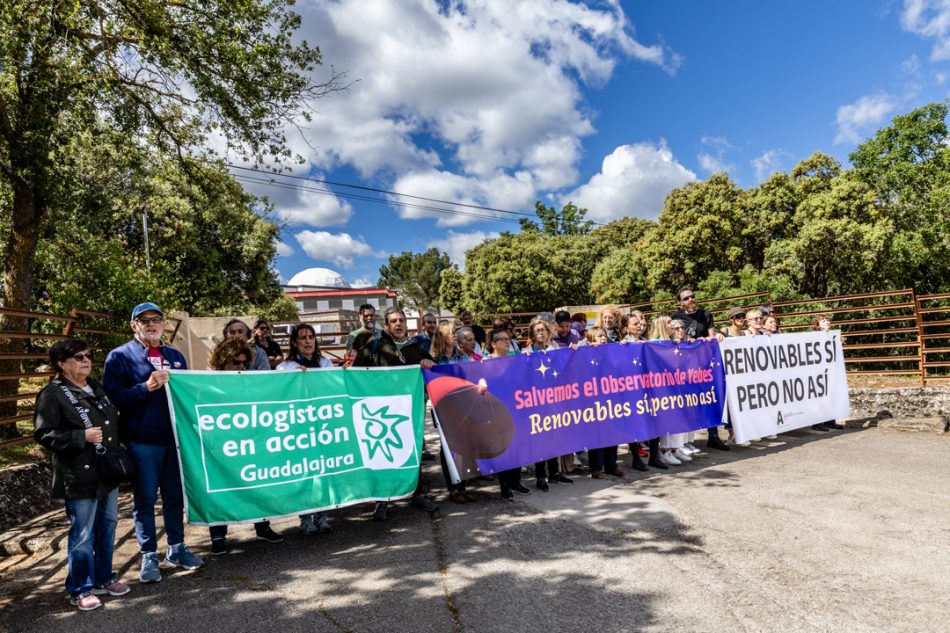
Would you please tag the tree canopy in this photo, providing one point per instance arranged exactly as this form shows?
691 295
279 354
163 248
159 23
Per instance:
416 277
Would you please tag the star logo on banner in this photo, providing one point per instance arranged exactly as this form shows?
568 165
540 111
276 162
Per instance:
593 362
381 429
554 373
636 361
543 369
677 352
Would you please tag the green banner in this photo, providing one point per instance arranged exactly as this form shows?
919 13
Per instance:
256 445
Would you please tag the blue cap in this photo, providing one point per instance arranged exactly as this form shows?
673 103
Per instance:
145 307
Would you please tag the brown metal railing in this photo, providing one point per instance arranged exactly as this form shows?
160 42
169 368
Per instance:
934 331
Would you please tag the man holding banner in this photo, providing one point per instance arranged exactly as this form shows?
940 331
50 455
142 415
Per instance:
393 348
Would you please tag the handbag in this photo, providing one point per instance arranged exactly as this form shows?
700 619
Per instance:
114 464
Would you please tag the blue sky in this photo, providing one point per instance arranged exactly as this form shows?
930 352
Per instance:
606 104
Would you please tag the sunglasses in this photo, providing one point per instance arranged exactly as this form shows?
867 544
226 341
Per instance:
81 357
264 328
148 320
240 361
686 297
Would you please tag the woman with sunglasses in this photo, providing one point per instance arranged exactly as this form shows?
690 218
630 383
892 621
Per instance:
508 480
74 420
304 353
235 353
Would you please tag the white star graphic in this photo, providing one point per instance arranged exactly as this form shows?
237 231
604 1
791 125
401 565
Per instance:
636 361
554 373
543 368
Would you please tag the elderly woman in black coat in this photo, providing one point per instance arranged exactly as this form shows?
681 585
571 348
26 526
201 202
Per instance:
74 419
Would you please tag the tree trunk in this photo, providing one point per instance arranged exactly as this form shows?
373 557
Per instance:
18 262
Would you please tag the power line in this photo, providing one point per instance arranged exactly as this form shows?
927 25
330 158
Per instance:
397 203
352 196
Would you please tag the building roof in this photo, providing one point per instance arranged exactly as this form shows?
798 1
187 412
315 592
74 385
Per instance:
319 278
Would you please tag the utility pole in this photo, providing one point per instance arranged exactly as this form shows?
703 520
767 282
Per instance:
148 258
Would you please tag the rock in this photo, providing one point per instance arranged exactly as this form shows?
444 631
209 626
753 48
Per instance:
25 493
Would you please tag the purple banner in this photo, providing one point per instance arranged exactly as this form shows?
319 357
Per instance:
504 413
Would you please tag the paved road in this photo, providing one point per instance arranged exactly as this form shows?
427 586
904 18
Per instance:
847 531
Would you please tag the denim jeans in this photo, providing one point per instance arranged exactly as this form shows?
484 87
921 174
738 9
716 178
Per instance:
90 542
157 468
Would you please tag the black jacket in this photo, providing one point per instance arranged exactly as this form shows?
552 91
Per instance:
382 351
59 429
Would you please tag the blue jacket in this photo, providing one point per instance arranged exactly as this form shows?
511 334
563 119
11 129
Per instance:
143 414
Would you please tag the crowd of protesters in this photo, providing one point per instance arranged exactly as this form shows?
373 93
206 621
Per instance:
77 418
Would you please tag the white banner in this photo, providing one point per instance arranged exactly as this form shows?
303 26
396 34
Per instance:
784 382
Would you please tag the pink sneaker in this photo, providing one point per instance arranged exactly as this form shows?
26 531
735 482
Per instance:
86 602
114 588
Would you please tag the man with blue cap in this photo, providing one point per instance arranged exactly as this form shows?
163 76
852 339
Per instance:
134 376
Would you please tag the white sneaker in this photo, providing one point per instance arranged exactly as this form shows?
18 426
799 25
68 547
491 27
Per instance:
732 440
771 437
669 459
682 455
690 449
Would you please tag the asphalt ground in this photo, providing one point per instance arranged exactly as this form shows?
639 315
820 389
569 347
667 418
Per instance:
842 531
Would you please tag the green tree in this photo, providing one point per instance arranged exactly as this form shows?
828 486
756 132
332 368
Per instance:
530 271
568 221
416 277
907 164
452 290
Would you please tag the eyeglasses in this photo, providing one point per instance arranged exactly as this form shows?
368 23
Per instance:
263 328
501 339
149 320
81 357
756 319
738 318
686 297
240 361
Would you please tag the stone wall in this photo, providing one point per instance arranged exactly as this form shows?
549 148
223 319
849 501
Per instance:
25 493
904 402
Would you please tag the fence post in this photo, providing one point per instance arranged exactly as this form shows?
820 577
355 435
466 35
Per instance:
920 338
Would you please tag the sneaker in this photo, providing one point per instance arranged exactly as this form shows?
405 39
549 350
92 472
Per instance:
181 557
219 546
732 440
670 460
718 444
771 437
86 602
507 495
520 488
559 478
659 464
820 427
269 535
114 588
831 424
379 512
150 571
422 502
690 448
542 484
682 455
322 523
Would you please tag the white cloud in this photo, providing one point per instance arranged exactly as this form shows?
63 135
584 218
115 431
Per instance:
283 249
499 191
314 208
633 181
339 248
929 19
494 86
363 282
456 244
712 160
862 115
768 163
